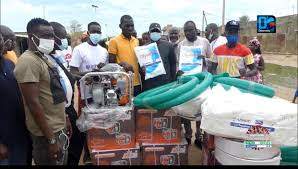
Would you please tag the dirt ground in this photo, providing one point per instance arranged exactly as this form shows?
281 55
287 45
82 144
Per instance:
283 60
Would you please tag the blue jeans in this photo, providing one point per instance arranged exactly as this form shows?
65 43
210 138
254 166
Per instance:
17 155
4 162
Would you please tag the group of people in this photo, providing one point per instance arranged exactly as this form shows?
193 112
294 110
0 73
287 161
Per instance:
38 118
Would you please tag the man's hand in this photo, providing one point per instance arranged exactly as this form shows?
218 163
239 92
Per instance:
127 67
143 70
242 72
100 65
88 81
3 152
68 127
179 73
200 56
54 151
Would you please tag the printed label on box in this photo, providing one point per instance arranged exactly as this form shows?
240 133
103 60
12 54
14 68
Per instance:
160 123
130 154
114 130
167 159
119 162
123 139
169 134
179 149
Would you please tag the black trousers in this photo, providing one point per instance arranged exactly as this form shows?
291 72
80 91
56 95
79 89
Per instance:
137 90
77 140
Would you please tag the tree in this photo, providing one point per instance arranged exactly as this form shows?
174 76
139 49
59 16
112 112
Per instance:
243 20
75 26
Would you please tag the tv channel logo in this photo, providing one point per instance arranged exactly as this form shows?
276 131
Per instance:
266 24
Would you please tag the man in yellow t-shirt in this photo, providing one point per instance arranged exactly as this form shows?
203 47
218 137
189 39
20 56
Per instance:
9 43
121 50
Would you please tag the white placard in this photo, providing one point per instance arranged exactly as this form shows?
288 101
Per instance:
189 62
149 57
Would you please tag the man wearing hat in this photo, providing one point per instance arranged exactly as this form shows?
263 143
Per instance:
168 57
233 57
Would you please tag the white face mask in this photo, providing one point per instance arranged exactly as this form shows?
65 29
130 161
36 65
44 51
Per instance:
46 46
210 36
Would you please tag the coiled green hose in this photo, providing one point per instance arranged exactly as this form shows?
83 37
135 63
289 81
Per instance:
191 86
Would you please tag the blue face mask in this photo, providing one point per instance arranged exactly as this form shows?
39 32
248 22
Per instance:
64 44
155 36
95 38
232 39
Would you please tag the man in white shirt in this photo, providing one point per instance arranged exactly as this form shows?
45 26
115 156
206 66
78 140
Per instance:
87 57
213 37
191 39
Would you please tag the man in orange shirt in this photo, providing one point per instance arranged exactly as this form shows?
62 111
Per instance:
121 50
9 43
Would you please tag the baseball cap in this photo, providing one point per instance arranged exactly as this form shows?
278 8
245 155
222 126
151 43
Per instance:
154 26
232 25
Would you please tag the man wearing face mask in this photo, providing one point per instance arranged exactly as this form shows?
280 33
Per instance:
191 39
89 55
67 51
9 43
168 57
213 37
233 57
77 138
44 96
121 50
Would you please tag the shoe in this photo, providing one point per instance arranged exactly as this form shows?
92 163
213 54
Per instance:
188 140
198 143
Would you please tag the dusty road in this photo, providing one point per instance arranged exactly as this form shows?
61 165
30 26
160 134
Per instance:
283 60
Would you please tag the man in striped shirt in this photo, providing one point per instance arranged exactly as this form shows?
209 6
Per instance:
233 57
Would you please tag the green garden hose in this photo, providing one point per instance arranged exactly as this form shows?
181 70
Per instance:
176 93
196 91
247 85
191 86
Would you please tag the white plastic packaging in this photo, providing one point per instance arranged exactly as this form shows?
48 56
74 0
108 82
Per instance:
189 60
192 109
149 57
228 159
237 148
102 118
233 114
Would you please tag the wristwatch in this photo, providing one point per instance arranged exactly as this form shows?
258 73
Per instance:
52 141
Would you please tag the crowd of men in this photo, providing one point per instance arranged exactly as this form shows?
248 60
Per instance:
38 117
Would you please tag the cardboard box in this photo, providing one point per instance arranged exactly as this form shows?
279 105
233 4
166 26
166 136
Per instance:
129 156
120 136
165 154
154 126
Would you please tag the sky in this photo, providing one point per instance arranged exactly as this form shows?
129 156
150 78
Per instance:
16 13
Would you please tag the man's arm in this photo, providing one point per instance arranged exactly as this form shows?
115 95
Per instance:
30 92
112 58
31 95
76 73
212 68
173 63
250 63
253 70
